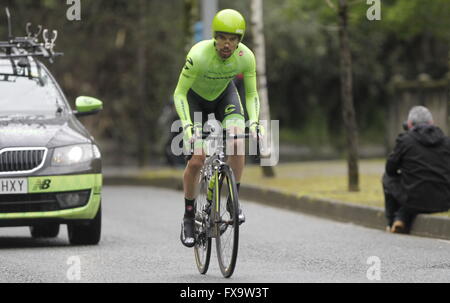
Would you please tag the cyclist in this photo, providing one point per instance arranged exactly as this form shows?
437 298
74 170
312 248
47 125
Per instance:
205 86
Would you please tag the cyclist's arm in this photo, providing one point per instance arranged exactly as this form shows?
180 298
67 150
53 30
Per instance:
187 78
251 91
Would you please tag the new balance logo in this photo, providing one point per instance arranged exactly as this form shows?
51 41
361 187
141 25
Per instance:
42 185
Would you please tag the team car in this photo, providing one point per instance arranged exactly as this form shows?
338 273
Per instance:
50 166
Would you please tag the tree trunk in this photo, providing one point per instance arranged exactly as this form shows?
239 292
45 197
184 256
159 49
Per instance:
190 16
260 53
143 145
351 131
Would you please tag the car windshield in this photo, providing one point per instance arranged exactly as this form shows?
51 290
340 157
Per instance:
22 95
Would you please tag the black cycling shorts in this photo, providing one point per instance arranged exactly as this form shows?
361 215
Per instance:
227 108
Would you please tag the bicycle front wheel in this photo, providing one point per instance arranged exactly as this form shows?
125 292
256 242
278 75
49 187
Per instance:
227 223
202 248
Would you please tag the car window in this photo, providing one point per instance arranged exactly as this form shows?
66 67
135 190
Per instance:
22 95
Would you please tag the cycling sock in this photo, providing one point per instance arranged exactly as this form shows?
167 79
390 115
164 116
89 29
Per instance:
189 208
238 185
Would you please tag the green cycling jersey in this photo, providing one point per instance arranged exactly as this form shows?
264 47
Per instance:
208 75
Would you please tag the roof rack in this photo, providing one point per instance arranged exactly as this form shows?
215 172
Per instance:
23 48
29 46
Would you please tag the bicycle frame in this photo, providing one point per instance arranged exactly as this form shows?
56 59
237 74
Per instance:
211 170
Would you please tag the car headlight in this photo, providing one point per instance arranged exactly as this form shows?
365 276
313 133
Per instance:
73 154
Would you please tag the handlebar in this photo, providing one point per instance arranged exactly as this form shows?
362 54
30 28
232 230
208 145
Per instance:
225 135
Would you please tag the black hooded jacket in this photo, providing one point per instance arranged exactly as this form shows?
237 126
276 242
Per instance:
421 158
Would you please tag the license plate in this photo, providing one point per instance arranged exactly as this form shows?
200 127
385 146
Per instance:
13 186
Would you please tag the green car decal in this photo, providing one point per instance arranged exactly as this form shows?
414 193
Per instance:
63 184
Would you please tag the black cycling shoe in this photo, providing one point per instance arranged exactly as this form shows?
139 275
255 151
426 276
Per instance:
187 232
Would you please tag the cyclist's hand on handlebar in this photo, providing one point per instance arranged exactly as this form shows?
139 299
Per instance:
188 134
188 139
257 131
191 133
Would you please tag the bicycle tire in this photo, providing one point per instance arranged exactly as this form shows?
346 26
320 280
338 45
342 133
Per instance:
202 247
228 211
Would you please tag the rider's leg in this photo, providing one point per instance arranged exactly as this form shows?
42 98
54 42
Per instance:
191 175
236 155
194 165
190 181
231 113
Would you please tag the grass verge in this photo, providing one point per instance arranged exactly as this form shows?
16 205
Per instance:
318 179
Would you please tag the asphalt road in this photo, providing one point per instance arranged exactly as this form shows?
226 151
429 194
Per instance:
140 243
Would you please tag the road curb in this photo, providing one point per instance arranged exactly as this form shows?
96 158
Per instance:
373 217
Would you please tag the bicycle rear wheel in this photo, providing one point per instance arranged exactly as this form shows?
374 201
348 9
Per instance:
227 227
202 248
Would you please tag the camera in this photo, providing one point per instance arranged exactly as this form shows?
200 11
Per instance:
405 126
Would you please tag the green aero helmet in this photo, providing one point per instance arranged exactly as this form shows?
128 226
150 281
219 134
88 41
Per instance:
229 21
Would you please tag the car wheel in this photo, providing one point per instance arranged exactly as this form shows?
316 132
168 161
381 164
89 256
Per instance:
87 233
48 230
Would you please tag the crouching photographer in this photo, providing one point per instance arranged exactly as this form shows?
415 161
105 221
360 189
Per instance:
417 176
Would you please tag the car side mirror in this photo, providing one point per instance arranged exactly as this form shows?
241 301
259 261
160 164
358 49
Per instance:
87 106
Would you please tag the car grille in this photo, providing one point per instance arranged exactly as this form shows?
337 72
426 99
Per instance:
20 203
21 160
28 203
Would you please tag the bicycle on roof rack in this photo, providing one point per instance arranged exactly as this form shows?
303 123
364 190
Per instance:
21 49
